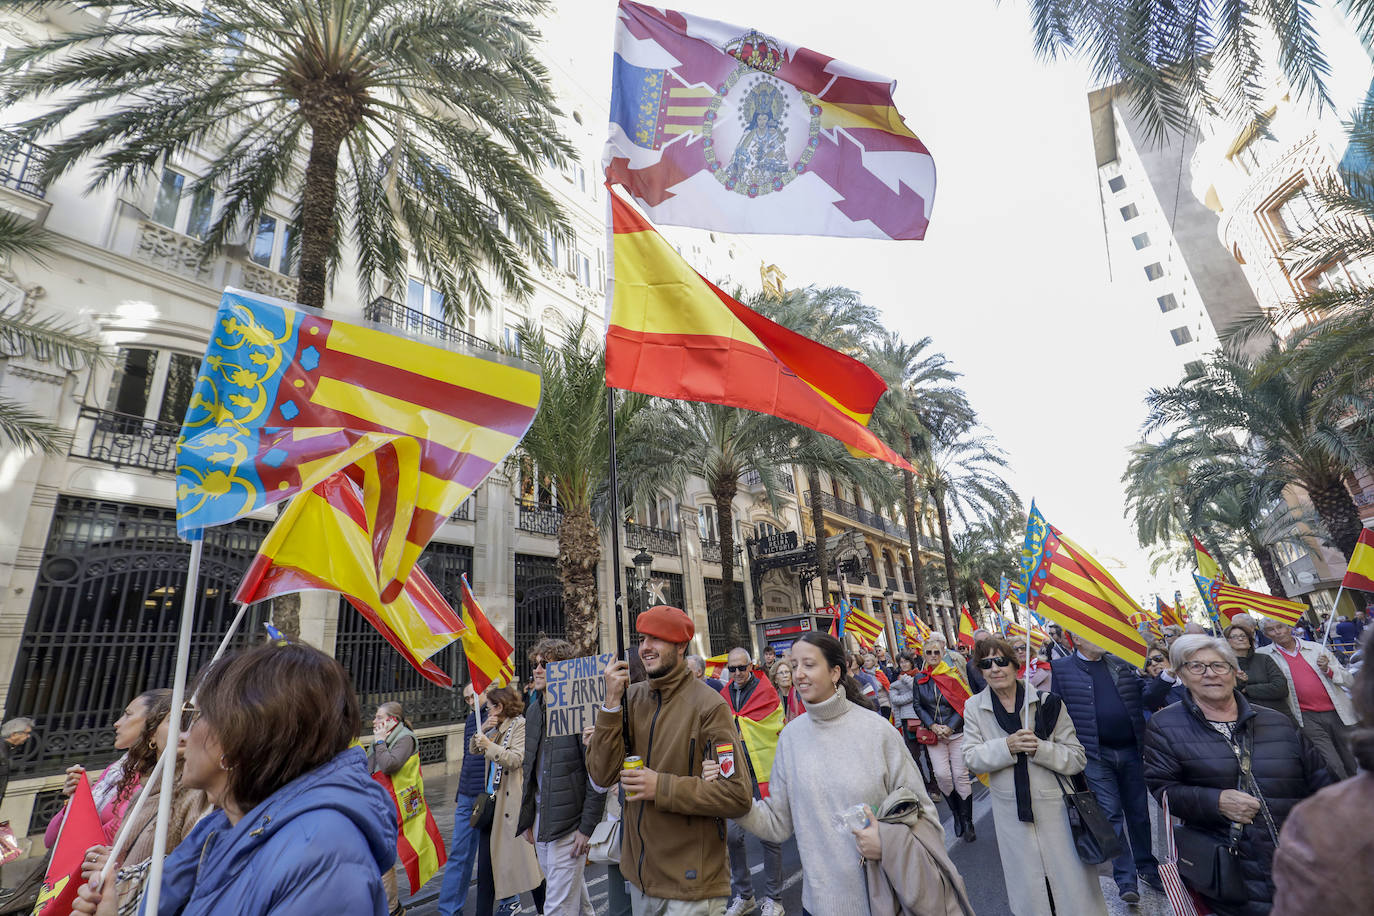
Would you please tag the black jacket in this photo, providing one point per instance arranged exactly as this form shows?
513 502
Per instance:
1267 685
1074 682
567 800
931 706
1195 763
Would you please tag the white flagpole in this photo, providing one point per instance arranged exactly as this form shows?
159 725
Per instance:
1025 713
164 802
1335 605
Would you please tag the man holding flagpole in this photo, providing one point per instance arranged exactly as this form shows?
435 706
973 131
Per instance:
1317 697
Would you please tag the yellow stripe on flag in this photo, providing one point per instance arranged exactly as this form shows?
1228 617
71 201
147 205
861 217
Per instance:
1360 573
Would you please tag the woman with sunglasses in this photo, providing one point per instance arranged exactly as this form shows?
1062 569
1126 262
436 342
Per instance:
1259 676
1162 686
1023 765
940 697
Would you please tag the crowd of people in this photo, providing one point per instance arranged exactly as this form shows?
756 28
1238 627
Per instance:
1250 739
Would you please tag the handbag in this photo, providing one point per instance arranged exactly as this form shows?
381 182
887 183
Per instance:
10 848
1210 866
926 736
604 846
1093 836
484 805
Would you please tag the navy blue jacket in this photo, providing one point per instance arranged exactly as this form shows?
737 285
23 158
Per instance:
317 845
1074 683
472 778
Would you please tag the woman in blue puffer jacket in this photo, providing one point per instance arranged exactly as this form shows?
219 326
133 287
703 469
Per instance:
300 827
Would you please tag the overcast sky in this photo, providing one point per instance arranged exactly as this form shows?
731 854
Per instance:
1011 281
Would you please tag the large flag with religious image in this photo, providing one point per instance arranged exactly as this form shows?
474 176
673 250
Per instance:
1069 586
324 541
286 397
725 127
674 334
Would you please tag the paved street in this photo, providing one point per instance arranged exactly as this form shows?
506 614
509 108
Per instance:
978 862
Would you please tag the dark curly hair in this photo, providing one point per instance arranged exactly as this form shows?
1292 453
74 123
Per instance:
142 757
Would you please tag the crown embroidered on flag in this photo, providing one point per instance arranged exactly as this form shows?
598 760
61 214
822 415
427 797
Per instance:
754 49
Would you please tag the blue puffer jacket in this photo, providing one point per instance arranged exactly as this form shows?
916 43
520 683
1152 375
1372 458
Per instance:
1073 682
317 845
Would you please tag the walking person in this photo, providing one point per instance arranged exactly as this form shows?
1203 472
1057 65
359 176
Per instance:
781 676
506 863
1259 677
674 839
940 697
758 715
837 756
1232 771
1104 696
560 807
1316 694
462 849
393 743
1034 838
13 735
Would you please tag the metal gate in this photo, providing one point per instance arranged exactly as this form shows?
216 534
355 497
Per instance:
102 624
538 607
379 672
729 628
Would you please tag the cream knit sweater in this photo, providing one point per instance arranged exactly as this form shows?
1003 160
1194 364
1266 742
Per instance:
829 759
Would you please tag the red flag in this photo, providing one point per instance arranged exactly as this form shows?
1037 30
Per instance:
79 832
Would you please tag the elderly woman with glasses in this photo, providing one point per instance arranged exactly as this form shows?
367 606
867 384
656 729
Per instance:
939 695
1230 770
1033 834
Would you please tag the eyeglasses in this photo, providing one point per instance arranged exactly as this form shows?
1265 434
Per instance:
1157 659
190 712
738 667
933 651
1214 667
1001 661
540 663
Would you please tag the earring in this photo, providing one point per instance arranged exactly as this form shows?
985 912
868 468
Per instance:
223 765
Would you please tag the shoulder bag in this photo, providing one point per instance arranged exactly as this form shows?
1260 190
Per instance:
604 846
1094 838
1209 866
484 806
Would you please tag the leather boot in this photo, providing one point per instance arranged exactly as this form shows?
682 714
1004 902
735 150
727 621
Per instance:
957 809
969 833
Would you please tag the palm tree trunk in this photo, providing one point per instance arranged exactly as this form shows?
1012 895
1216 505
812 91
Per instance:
813 486
329 125
579 553
943 515
723 490
1265 558
1337 511
913 535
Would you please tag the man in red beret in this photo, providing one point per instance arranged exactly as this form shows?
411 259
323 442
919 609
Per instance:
674 842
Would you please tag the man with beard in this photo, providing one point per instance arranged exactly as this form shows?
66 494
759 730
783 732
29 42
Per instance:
673 852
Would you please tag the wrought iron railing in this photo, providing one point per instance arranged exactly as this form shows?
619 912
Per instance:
537 518
892 583
753 480
125 440
655 540
858 514
22 164
908 587
873 580
464 511
388 311
710 552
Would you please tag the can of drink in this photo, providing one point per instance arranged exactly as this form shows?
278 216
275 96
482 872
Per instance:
633 763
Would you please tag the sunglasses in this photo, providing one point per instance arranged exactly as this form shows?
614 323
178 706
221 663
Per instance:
737 667
1157 658
1001 661
540 663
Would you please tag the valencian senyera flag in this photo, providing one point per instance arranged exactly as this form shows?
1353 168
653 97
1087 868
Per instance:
674 334
419 842
760 722
865 628
724 127
1231 600
323 541
1360 573
1170 616
1204 590
286 397
1016 635
491 660
1066 584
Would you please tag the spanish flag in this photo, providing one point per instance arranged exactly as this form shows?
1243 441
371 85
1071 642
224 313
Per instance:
966 626
1360 573
760 721
491 660
993 599
1209 567
419 844
674 334
951 681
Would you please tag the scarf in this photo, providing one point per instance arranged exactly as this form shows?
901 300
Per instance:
1011 722
950 684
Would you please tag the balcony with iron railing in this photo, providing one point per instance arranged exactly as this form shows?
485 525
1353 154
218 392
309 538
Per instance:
908 587
124 440
655 540
859 514
390 312
753 481
892 583
463 513
710 553
22 164
537 517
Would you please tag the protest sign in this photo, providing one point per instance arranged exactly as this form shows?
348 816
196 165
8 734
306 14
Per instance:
576 688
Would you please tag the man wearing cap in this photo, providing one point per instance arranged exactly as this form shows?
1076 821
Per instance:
673 851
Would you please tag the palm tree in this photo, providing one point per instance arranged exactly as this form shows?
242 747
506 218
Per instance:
960 470
422 124
1291 433
47 339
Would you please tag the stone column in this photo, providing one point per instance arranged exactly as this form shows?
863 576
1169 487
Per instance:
693 582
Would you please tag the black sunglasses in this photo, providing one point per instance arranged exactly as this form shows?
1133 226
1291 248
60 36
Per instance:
738 667
1157 658
1001 661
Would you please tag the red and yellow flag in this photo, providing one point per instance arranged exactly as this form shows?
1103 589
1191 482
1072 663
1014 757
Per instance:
966 626
491 660
674 334
1074 590
949 677
1206 565
80 831
1230 600
419 844
324 540
1170 616
866 629
1016 635
760 722
994 600
1360 573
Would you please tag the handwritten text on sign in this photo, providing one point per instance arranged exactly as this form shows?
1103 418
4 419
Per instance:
576 688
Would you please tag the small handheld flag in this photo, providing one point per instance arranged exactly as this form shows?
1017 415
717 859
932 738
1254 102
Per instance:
491 660
1360 573
1206 565
80 831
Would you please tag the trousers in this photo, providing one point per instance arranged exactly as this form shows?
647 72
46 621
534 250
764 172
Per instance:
462 854
947 759
1117 777
741 880
565 892
644 905
1332 737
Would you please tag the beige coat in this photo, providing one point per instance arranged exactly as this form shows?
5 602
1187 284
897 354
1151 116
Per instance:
1043 849
514 867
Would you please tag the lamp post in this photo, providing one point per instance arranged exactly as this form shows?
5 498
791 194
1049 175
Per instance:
891 630
643 563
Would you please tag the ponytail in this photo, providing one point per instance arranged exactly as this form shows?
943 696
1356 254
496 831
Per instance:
854 693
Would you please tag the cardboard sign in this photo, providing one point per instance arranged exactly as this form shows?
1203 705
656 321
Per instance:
576 688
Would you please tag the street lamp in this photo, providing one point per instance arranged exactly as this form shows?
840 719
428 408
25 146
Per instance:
891 627
643 563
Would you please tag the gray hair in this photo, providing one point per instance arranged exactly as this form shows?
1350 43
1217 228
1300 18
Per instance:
14 726
1185 647
696 663
936 637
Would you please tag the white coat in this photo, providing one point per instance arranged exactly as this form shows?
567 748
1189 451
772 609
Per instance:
1043 849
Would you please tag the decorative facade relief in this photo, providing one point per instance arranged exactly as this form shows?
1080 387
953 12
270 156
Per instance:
173 252
259 279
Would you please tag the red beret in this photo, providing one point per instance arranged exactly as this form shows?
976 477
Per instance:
667 623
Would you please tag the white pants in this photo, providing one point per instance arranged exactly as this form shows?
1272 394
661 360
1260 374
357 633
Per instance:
565 879
644 905
947 759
